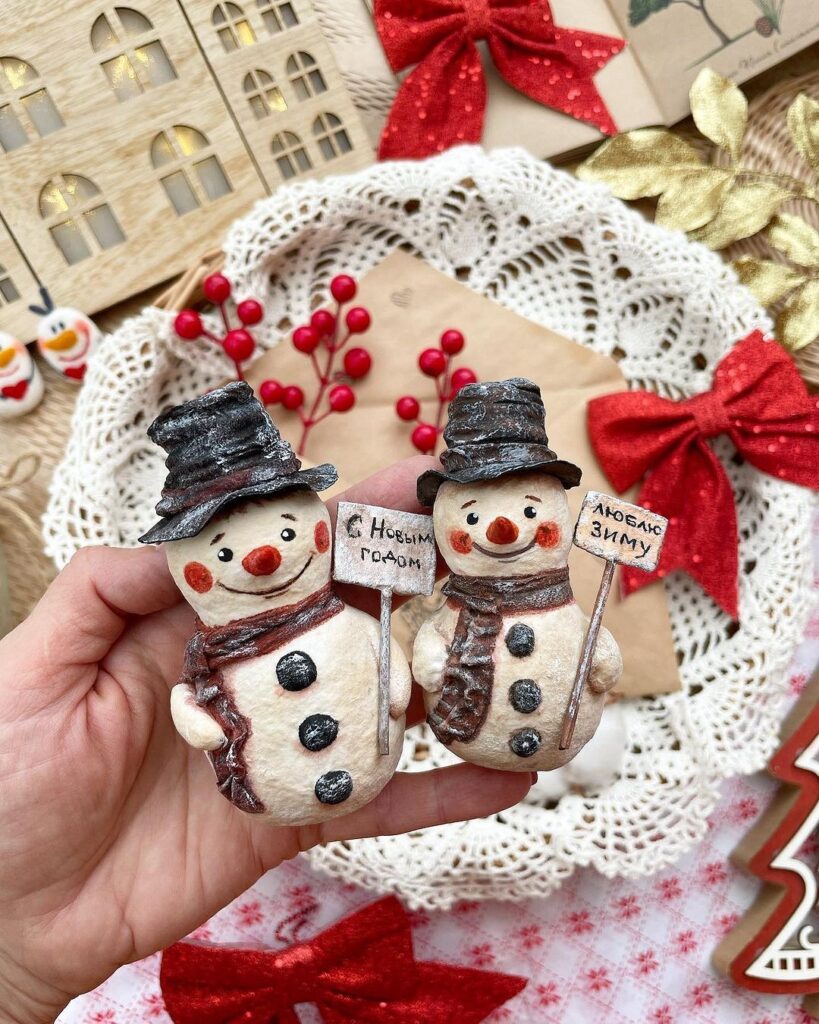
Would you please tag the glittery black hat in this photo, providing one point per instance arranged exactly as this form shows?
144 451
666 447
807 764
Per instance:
222 448
494 429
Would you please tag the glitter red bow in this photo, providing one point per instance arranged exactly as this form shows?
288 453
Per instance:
760 401
359 971
442 101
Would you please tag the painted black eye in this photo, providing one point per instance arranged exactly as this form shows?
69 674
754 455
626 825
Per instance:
472 518
288 534
530 511
224 554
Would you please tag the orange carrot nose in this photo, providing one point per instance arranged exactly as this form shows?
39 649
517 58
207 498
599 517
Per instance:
502 531
6 356
63 341
262 561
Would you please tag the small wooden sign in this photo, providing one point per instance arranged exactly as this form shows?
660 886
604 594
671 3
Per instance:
620 532
390 551
623 534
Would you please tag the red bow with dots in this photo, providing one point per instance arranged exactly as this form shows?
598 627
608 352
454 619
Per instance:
360 971
442 101
759 400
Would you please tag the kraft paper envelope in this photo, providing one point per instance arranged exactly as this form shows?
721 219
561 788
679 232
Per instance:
411 304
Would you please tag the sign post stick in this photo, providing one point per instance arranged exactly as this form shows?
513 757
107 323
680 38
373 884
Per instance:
586 657
384 673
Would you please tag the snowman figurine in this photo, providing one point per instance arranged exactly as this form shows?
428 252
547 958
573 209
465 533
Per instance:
498 660
65 337
280 684
21 386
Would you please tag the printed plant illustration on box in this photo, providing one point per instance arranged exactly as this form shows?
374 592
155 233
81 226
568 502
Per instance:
767 22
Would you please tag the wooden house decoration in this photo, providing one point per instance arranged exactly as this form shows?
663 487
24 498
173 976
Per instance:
131 137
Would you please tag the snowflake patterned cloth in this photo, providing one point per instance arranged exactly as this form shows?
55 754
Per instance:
615 950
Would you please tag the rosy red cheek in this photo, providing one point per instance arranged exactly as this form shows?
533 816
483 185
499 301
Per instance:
198 577
322 537
460 541
548 535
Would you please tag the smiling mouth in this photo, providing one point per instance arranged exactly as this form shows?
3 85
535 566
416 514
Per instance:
503 554
272 590
75 355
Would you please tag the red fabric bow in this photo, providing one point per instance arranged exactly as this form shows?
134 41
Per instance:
360 971
760 401
442 101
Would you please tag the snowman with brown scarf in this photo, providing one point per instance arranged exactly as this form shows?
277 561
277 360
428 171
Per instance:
280 680
498 659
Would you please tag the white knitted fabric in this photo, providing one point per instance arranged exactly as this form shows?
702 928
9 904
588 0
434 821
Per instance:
569 256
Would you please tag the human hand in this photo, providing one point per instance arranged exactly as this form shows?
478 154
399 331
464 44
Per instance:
114 841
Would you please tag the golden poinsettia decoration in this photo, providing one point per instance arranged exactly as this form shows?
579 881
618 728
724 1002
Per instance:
721 205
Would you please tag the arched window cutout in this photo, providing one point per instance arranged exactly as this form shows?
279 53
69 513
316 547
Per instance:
8 289
78 218
291 156
134 59
191 173
305 76
26 108
263 95
331 137
232 27
277 15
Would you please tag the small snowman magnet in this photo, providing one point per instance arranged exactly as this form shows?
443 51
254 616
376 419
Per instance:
21 386
499 660
65 337
280 684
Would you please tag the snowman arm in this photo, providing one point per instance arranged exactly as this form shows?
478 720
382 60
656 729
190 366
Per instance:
607 666
400 681
429 657
195 725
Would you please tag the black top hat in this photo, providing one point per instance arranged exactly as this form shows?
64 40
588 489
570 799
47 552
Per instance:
495 429
222 448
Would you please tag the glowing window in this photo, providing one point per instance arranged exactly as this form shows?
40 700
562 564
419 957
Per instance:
133 58
305 76
8 289
263 95
78 218
190 172
277 15
331 137
290 154
232 27
26 109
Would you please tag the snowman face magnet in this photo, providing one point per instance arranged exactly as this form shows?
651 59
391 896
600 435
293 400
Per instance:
21 386
256 556
66 338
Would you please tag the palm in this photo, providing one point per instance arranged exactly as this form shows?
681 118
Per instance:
114 841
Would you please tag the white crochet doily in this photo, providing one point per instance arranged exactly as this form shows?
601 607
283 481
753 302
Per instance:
568 255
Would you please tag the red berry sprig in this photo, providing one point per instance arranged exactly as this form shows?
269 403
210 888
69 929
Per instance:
237 342
322 340
436 363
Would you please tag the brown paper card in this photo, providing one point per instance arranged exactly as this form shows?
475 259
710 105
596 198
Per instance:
411 304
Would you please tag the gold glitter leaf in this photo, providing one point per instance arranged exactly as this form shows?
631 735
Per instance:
746 209
769 281
796 239
803 124
641 163
720 110
798 323
694 199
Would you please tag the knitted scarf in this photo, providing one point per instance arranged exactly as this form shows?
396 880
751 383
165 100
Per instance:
210 649
483 601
